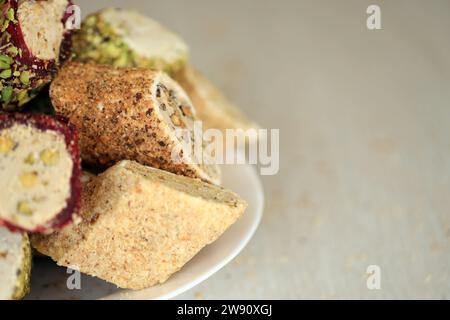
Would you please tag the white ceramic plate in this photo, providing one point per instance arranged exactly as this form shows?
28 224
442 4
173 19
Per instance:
49 280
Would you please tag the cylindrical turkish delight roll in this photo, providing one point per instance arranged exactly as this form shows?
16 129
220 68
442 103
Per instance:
125 38
131 114
34 41
212 106
15 264
39 172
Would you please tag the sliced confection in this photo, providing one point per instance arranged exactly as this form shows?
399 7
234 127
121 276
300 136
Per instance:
125 38
132 114
40 170
34 41
140 225
213 108
15 265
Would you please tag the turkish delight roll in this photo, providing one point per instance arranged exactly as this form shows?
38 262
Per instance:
125 38
15 264
140 225
132 114
212 106
40 172
34 41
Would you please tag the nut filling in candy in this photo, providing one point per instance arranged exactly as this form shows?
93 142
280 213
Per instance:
39 166
125 38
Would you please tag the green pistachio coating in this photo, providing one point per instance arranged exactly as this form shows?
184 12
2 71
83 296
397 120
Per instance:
98 42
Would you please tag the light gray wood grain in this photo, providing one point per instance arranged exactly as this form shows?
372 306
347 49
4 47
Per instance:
365 140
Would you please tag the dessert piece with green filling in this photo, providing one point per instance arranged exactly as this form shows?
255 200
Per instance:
34 42
15 264
125 38
40 172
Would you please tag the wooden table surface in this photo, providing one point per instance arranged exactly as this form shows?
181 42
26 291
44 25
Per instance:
365 140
